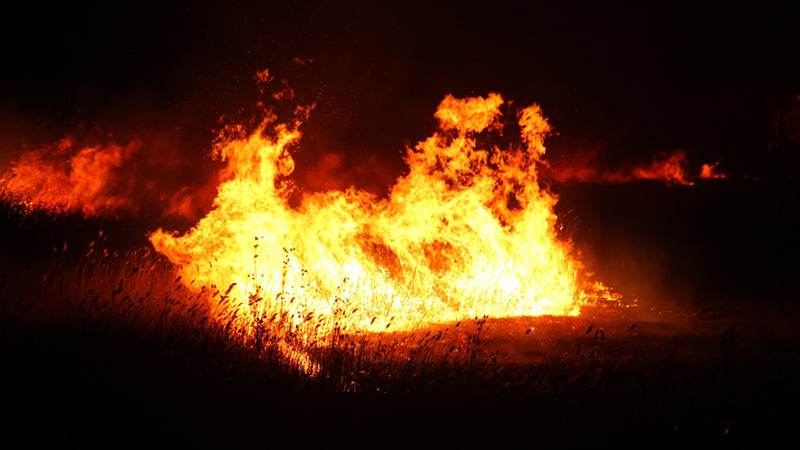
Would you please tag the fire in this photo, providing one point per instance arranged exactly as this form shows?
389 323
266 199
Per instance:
670 169
466 232
67 178
104 178
711 172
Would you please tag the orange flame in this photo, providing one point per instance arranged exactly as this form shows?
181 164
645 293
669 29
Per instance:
467 232
670 169
711 172
65 178
141 178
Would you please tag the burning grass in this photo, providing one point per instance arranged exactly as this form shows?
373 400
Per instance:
121 324
124 325
107 293
136 293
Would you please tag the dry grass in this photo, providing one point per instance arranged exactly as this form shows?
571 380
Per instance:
129 315
106 293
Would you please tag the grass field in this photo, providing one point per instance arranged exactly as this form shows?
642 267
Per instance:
102 345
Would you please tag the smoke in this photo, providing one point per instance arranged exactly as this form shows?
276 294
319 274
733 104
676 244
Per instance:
333 171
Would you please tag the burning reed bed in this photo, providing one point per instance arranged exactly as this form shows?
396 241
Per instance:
102 296
107 294
119 331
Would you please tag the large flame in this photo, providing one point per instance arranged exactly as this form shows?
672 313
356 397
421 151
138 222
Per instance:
467 232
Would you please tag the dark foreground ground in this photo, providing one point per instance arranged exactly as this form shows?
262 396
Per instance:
708 356
654 386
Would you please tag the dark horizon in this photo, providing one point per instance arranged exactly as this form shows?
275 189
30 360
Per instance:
107 339
626 83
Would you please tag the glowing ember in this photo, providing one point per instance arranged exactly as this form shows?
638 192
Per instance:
467 232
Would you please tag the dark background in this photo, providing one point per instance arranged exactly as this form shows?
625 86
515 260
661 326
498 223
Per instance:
629 80
624 81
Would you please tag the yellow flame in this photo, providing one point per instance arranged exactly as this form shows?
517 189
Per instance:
467 232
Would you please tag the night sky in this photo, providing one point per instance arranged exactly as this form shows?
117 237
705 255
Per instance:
624 81
708 353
